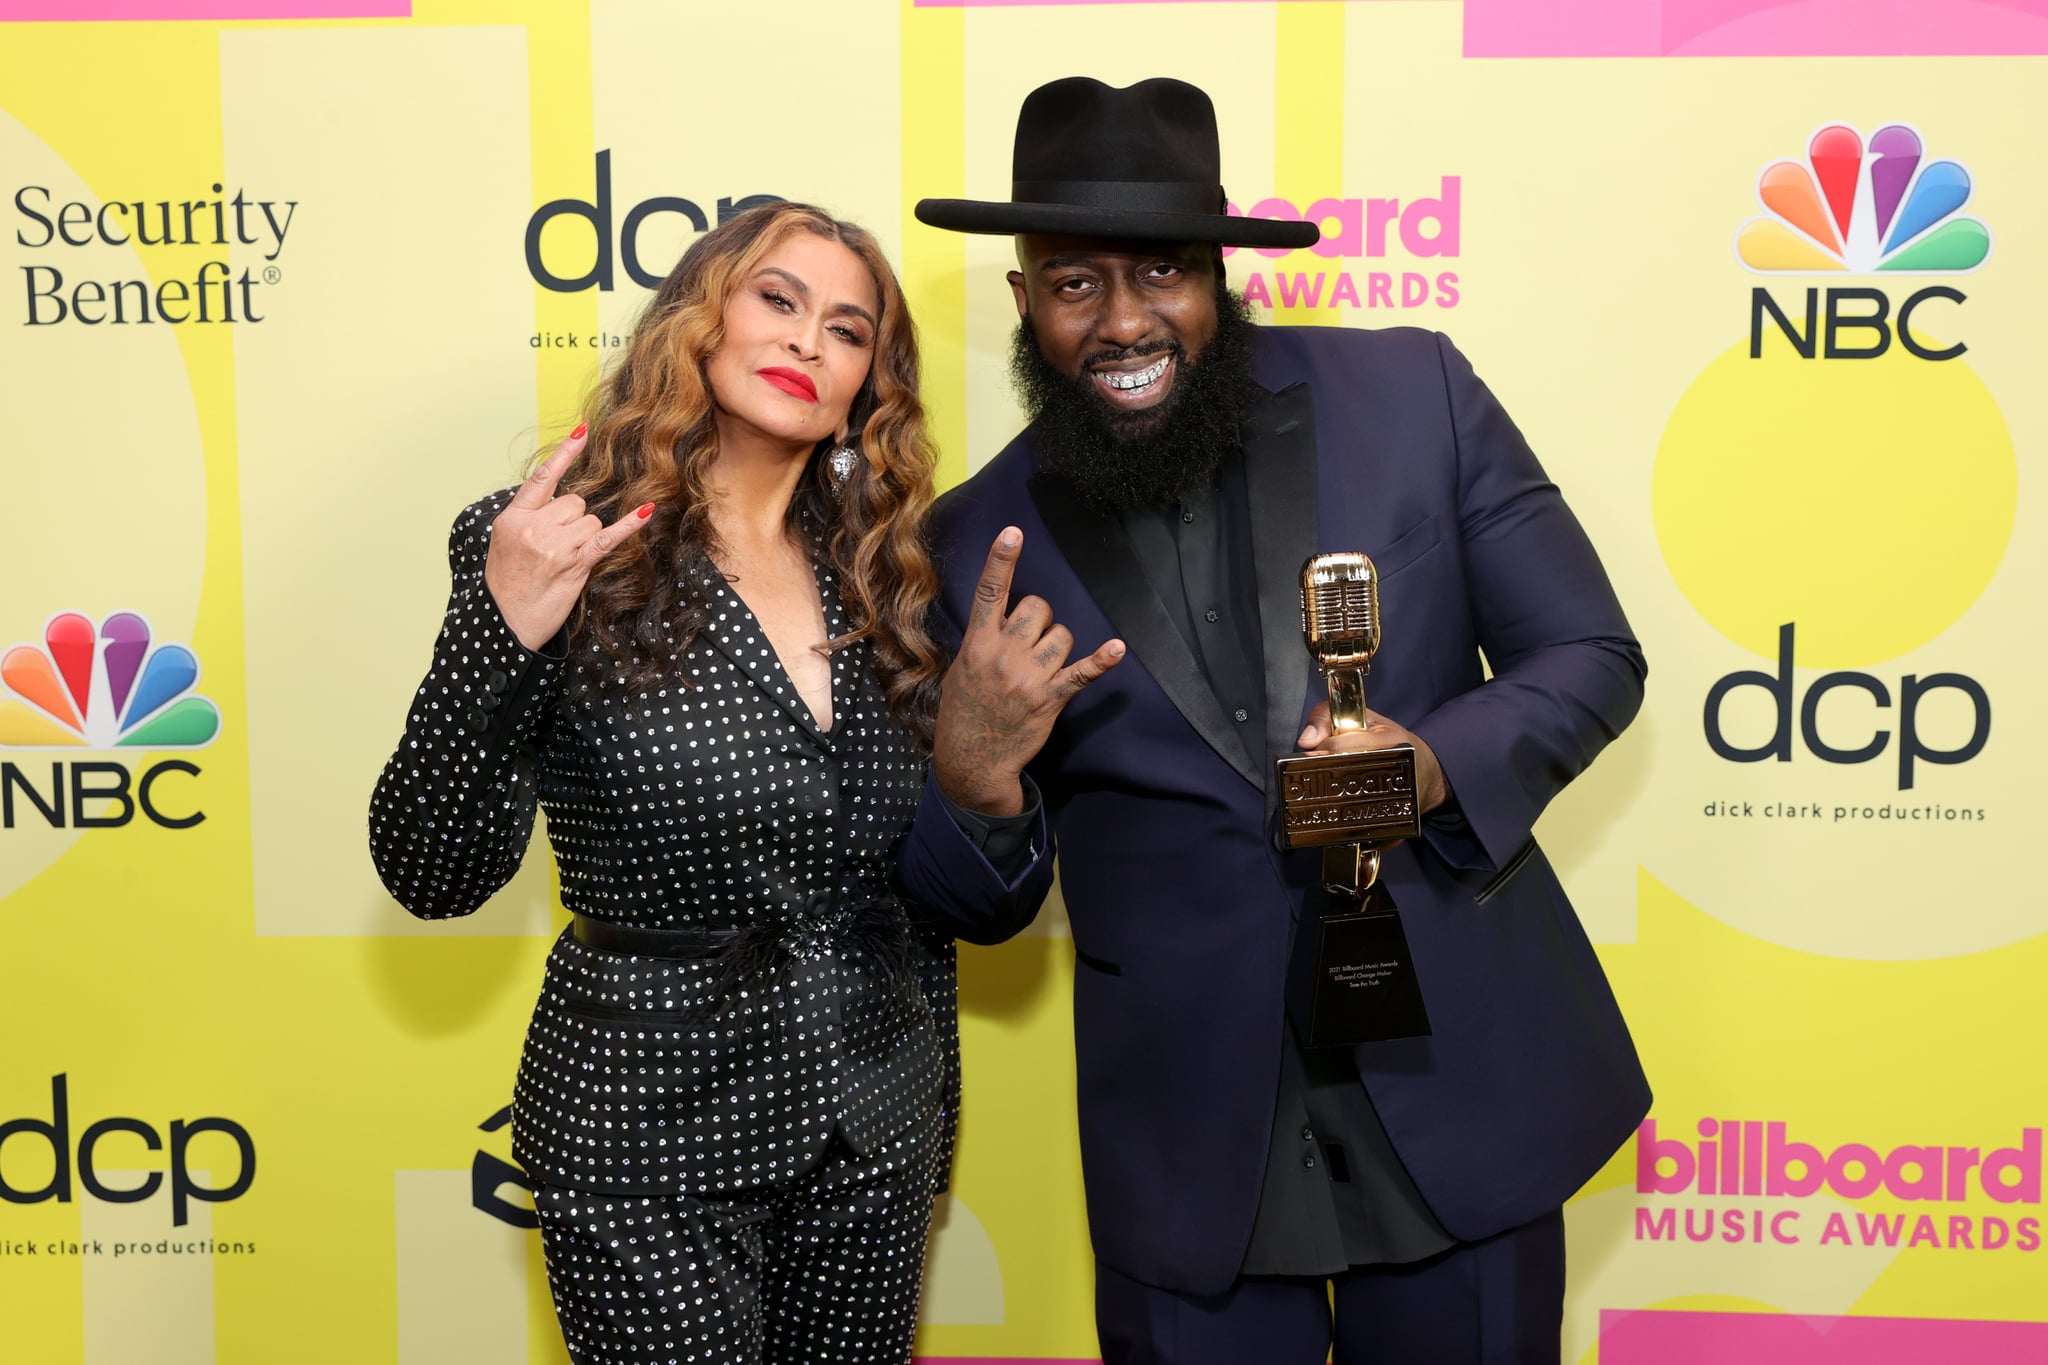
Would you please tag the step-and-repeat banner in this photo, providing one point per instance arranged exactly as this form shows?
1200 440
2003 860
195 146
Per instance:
284 283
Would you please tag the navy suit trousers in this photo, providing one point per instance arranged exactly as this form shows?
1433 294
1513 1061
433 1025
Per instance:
1494 1302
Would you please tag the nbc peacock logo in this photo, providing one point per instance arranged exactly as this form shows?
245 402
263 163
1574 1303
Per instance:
1864 209
103 687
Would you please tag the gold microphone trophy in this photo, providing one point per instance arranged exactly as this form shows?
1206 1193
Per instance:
1362 985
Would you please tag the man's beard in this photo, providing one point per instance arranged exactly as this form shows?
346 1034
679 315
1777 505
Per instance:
1119 460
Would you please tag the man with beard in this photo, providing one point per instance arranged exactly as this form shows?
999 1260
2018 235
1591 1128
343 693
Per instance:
1252 1198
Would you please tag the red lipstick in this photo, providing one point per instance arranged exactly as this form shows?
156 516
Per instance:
792 382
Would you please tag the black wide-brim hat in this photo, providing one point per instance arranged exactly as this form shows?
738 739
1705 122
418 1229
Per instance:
1093 160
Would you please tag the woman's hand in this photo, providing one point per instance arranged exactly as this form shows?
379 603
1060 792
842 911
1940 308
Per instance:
543 548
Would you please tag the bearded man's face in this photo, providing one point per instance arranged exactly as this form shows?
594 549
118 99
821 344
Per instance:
1133 360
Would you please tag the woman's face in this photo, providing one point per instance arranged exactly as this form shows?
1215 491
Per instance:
800 337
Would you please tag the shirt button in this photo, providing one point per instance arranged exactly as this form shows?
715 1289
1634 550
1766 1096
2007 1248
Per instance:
1242 714
1187 516
496 682
1309 1162
1307 1134
478 722
1209 615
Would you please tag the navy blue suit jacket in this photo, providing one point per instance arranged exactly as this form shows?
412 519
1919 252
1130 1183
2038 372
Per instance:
1163 812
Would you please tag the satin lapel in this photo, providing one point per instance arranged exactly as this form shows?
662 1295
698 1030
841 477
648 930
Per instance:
1101 556
1280 479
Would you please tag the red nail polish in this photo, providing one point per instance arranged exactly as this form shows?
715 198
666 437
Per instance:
646 511
581 428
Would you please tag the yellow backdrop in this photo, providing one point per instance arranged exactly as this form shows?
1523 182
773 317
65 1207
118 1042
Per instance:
284 283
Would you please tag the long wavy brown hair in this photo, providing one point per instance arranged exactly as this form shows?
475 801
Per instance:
653 436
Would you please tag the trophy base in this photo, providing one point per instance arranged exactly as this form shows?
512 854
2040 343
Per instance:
1355 979
1363 797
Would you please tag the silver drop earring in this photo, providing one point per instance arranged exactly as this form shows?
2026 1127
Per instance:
843 458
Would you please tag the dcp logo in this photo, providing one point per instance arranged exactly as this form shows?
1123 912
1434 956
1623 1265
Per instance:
57 1135
1913 690
599 215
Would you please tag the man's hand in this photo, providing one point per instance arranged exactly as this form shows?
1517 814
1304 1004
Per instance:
1319 736
1007 685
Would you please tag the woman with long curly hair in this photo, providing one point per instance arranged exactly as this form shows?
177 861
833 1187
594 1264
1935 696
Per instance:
695 636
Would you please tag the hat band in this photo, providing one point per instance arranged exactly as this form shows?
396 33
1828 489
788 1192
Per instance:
1139 196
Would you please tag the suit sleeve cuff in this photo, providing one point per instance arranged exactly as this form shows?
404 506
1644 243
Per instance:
1450 834
936 807
1492 821
1005 841
499 688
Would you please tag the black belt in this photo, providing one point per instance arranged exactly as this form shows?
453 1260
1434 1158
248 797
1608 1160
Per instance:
640 941
875 926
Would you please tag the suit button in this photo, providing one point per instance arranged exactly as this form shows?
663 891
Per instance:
1308 1134
1242 714
1309 1162
478 722
489 702
1209 615
496 682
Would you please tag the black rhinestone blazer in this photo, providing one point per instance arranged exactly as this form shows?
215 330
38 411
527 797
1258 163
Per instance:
714 804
